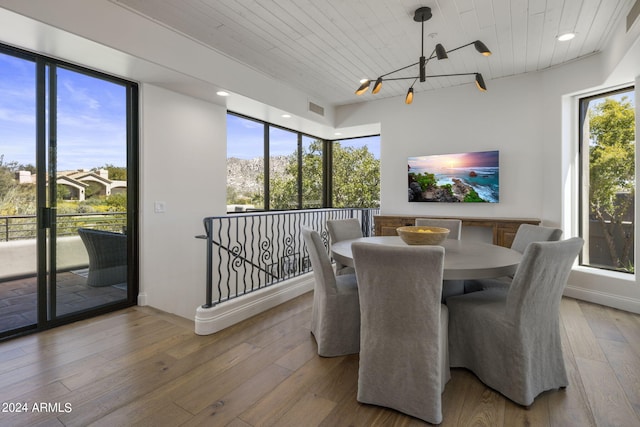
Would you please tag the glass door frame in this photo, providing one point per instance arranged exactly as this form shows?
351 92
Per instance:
46 192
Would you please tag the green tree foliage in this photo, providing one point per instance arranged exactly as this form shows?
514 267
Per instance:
15 199
356 178
116 173
612 173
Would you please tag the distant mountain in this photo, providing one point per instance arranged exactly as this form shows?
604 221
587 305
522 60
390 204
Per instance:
245 175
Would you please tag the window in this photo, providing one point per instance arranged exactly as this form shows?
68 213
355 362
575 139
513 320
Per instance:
245 164
356 172
607 147
272 168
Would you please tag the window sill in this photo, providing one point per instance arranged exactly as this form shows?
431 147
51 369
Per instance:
626 277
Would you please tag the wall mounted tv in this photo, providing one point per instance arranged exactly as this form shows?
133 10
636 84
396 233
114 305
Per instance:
454 178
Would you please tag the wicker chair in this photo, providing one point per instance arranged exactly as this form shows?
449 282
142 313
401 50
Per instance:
107 256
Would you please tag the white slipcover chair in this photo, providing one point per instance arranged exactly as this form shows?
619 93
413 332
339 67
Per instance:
335 315
344 229
449 287
403 332
510 337
527 233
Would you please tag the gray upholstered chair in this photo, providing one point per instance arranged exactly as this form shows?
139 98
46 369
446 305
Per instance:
403 336
107 252
335 316
449 287
527 233
344 229
510 338
453 225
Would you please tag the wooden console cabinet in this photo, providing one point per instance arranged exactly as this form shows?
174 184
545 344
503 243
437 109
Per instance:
504 229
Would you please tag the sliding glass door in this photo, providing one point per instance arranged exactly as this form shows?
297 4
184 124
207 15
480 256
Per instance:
67 192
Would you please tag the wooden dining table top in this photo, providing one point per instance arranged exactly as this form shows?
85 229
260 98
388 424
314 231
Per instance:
463 259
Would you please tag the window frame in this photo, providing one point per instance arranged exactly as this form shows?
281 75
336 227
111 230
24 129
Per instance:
583 211
327 164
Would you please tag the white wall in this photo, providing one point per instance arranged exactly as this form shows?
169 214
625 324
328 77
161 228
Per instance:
531 120
462 119
183 163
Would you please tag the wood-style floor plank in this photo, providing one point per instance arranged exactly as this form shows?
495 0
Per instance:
140 366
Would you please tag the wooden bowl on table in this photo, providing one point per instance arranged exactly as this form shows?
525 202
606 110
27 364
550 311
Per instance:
422 234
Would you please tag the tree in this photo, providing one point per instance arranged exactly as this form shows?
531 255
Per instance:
356 178
116 173
612 174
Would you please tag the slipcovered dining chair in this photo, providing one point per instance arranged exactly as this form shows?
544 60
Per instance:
449 287
403 333
344 229
510 338
527 233
335 315
453 225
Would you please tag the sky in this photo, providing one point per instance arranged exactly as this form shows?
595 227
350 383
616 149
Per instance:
245 140
459 160
91 117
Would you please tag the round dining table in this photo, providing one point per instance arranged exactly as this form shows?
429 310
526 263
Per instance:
463 259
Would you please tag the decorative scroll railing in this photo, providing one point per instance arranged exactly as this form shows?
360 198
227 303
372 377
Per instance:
249 252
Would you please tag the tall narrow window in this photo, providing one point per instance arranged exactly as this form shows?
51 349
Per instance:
356 173
607 141
245 164
283 169
312 173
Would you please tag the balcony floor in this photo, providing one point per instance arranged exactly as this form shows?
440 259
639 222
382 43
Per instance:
18 298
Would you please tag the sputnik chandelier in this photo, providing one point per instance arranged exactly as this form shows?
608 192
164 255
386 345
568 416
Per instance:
423 14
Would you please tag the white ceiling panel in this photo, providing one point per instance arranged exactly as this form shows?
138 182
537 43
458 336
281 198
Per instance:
325 48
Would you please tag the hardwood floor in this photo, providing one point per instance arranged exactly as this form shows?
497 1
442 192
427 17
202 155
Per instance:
140 366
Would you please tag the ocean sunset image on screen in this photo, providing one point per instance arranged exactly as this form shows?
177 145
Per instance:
472 177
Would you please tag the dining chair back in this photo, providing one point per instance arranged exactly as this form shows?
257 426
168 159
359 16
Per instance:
453 225
403 333
510 337
335 314
528 233
449 287
344 229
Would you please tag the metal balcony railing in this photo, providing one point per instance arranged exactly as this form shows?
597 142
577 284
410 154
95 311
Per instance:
23 227
249 252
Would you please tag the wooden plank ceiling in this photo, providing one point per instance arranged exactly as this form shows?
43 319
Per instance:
325 47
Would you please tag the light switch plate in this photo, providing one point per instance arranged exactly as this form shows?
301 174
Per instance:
159 207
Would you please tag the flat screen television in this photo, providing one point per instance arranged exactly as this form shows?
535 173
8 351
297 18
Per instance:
472 177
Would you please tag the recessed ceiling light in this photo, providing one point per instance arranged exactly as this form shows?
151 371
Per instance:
286 116
222 93
566 37
338 133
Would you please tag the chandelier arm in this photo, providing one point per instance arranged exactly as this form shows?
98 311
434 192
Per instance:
399 69
460 47
401 78
452 75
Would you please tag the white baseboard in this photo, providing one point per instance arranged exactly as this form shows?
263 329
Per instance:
142 299
610 300
218 317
